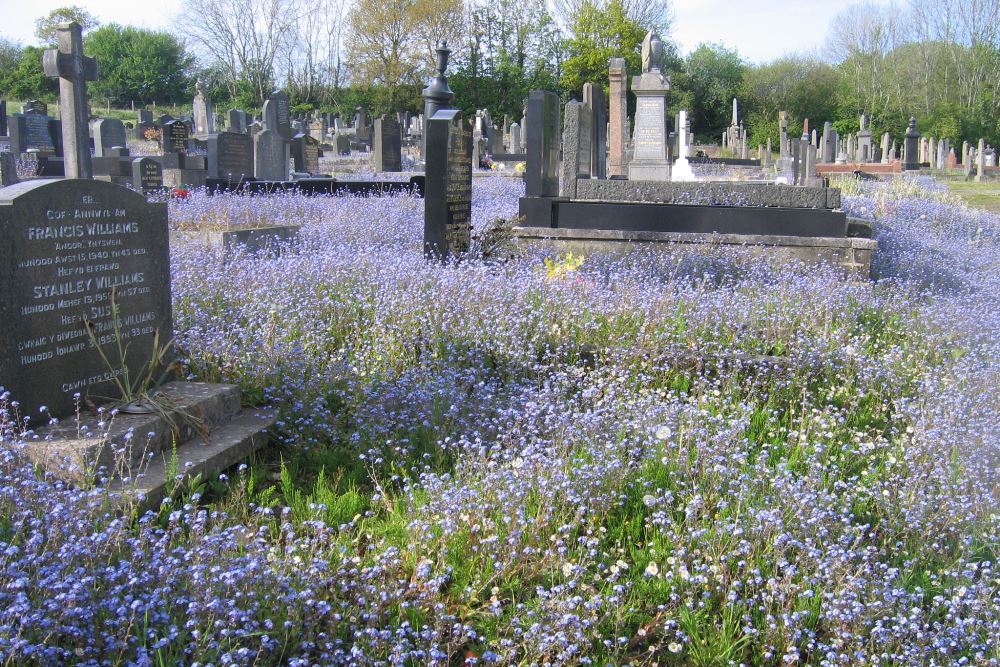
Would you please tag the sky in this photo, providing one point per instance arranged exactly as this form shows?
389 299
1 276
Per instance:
760 30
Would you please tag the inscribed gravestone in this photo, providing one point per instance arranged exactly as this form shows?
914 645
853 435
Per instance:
70 251
32 131
649 138
576 147
305 154
108 133
277 114
3 118
230 156
147 174
270 158
175 136
387 145
448 187
541 173
237 121
343 144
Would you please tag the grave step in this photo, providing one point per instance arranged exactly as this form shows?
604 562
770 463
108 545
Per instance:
75 448
223 448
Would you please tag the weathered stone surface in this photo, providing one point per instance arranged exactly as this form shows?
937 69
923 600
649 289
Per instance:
147 174
854 255
270 155
108 133
726 193
448 186
541 173
67 246
387 145
230 156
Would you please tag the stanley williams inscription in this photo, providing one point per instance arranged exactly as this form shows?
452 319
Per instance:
72 249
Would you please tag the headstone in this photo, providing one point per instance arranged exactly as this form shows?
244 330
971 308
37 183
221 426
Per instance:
783 118
316 129
515 138
593 96
343 144
236 121
541 174
981 160
147 174
387 145
448 186
230 156
32 132
8 169
3 118
203 111
576 147
277 114
681 170
270 156
828 144
305 154
617 116
74 254
911 143
73 69
175 136
108 133
650 155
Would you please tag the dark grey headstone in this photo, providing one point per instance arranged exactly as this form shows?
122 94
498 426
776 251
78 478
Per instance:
143 117
343 144
230 156
278 114
541 174
8 168
176 134
108 133
448 186
32 131
305 154
593 96
3 118
236 121
35 106
270 156
147 174
66 247
387 145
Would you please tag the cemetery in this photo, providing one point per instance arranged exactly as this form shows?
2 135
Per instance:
577 383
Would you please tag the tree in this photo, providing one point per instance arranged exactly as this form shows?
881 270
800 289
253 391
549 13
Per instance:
712 77
508 51
655 15
46 26
245 37
599 34
24 80
138 65
392 42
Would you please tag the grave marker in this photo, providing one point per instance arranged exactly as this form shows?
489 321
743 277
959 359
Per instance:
305 154
541 174
230 156
108 133
270 156
73 69
448 187
277 114
387 145
67 247
147 175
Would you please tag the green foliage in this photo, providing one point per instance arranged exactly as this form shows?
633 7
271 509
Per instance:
138 65
713 76
24 79
599 34
46 26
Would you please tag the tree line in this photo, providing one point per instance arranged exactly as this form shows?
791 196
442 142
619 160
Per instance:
938 60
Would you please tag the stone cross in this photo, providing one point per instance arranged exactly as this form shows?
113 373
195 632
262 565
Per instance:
74 70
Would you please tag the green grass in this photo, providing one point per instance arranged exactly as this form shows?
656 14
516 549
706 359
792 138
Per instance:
985 195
